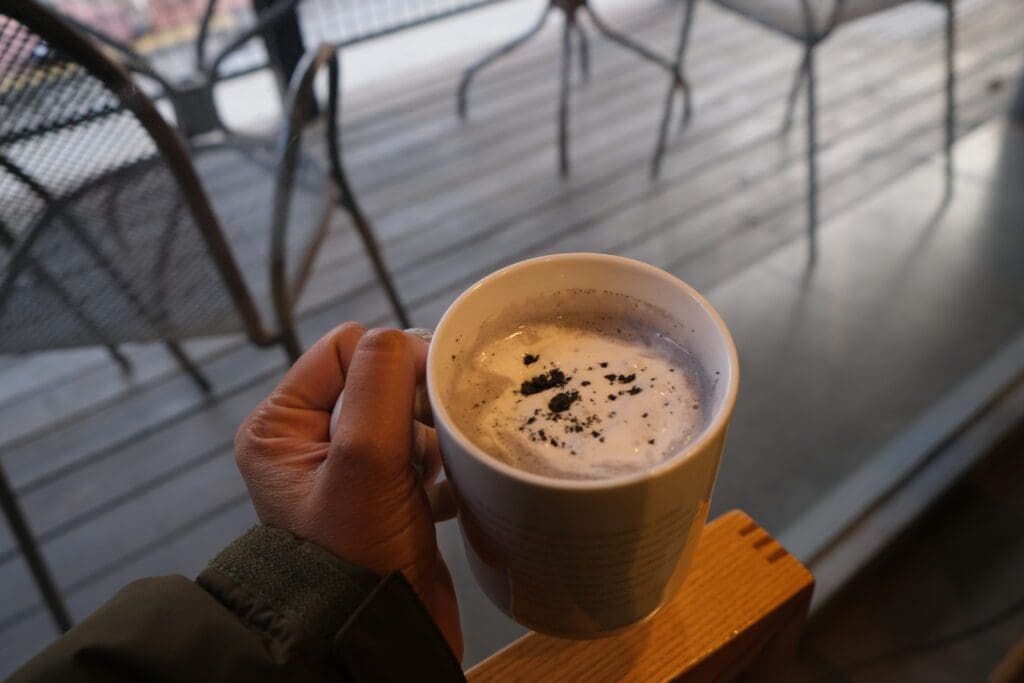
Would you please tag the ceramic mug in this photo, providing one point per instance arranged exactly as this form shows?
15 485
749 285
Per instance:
582 558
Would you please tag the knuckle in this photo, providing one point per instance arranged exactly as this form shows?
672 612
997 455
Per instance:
247 437
243 437
359 447
364 456
342 332
385 341
243 445
351 327
339 336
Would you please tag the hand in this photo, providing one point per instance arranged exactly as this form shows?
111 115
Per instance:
361 493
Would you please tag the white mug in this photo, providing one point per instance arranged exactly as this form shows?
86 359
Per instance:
582 558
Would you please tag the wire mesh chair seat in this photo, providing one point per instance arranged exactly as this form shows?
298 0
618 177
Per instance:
821 16
134 219
338 22
90 243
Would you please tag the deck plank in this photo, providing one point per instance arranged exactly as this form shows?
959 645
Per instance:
384 222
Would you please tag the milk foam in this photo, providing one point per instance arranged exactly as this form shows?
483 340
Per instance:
635 397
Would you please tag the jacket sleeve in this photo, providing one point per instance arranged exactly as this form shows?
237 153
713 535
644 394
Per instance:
269 607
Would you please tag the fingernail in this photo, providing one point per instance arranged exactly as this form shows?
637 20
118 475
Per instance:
421 332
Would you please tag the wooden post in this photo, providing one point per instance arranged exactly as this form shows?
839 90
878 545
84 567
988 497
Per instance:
1011 668
741 611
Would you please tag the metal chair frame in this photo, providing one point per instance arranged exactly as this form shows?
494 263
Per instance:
197 116
805 73
571 10
195 96
171 148
192 99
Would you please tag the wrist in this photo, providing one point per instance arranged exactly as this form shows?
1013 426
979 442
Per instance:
293 590
310 602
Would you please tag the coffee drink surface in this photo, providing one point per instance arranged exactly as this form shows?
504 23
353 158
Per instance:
579 384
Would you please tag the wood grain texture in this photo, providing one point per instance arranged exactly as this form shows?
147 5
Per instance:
740 611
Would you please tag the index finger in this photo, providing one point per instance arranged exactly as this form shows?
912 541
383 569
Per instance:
299 406
375 425
419 347
318 376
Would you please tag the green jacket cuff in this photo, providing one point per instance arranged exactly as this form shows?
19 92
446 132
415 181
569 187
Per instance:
294 591
307 602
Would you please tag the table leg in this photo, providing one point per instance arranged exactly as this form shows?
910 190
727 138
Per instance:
283 41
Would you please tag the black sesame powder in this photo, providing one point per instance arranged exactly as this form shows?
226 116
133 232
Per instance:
561 402
543 382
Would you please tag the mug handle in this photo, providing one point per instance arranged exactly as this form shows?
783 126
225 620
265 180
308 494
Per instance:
439 492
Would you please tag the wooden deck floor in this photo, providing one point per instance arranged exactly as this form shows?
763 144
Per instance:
125 477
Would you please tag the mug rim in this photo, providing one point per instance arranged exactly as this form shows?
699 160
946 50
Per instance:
717 425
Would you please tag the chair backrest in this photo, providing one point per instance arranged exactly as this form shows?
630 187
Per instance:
347 22
165 32
168 33
106 235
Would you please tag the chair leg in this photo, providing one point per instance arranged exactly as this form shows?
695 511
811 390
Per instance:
286 335
505 49
666 112
812 163
379 267
33 556
584 48
563 98
289 341
188 366
659 147
636 48
794 90
681 61
119 358
346 199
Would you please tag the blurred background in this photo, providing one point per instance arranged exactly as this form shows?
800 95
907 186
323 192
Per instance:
844 180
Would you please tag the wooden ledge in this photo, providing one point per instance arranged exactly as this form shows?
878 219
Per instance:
740 611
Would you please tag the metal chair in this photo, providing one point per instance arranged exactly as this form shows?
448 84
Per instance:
240 174
198 119
571 10
109 232
810 22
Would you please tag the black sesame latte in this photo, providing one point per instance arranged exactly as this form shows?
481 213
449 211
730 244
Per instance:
580 384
